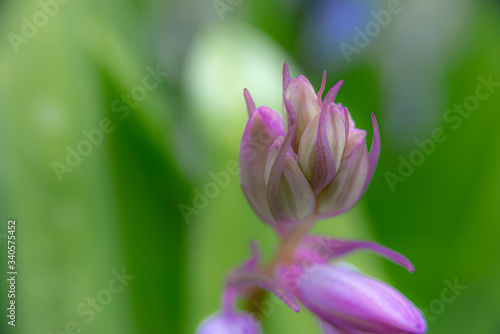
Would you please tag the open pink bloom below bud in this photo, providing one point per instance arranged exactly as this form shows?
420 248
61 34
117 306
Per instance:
311 162
347 301
228 321
350 301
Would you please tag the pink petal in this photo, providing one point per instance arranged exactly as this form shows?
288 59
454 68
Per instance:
350 300
321 148
304 102
249 101
286 76
374 154
321 89
332 94
291 118
244 280
323 249
262 129
289 194
348 185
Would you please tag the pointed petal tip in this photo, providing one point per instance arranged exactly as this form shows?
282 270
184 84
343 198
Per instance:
286 76
291 116
321 89
249 102
332 93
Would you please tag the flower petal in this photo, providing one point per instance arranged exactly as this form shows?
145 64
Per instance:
348 185
304 102
249 102
230 323
244 280
374 154
321 249
289 194
348 299
321 147
321 89
262 129
286 76
291 119
356 137
332 94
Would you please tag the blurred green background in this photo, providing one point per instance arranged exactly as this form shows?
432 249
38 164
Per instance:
68 68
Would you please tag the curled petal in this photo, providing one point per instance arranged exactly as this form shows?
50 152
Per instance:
348 185
332 94
321 89
354 302
321 249
262 129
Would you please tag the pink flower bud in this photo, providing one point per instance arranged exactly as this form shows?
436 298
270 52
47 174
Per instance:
318 165
351 302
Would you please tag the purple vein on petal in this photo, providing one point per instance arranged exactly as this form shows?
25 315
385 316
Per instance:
325 169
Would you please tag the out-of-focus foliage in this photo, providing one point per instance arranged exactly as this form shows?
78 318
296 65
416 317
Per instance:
132 203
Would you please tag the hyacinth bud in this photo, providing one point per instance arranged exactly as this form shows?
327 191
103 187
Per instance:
316 165
350 302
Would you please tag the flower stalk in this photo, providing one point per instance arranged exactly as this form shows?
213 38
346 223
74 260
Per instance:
295 169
